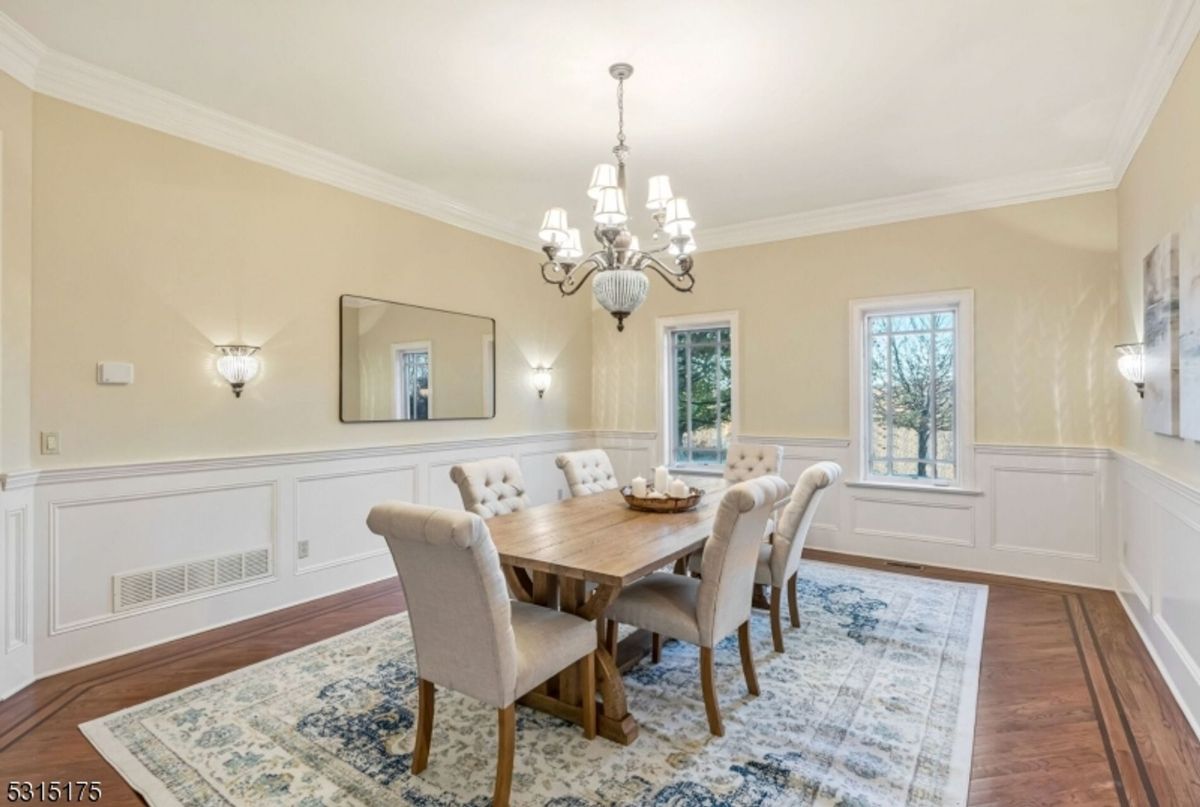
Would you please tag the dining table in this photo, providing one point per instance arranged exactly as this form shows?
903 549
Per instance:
576 555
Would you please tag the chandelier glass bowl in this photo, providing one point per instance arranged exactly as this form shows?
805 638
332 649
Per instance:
619 265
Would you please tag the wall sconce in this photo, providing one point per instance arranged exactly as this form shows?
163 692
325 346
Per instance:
541 380
237 365
1131 361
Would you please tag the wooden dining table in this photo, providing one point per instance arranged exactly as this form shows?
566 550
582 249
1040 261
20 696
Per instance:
577 555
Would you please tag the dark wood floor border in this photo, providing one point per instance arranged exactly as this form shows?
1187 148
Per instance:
1143 774
1118 779
23 724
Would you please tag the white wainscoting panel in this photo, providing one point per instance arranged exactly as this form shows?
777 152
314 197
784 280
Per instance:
1064 523
935 522
94 538
1159 573
330 517
17 588
80 526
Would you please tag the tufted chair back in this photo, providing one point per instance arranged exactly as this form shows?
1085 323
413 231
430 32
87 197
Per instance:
491 487
794 522
731 556
747 460
587 472
457 598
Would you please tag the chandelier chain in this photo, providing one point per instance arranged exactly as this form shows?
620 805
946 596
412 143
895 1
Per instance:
620 150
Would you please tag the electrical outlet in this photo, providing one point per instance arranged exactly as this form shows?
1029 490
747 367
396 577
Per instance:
302 550
50 443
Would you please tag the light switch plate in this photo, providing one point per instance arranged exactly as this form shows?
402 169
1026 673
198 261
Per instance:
114 372
50 443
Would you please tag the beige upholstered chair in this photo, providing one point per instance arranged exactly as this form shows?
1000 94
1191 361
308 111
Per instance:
468 636
491 487
705 611
587 472
746 460
779 559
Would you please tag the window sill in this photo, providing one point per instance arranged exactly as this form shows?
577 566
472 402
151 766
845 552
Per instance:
685 471
915 488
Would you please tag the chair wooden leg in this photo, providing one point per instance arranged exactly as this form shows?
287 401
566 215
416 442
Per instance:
793 603
776 618
710 692
507 735
425 693
747 657
655 648
587 694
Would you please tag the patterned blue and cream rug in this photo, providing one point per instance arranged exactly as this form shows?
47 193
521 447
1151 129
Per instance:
872 704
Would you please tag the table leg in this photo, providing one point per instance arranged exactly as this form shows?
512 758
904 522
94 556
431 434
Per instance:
613 721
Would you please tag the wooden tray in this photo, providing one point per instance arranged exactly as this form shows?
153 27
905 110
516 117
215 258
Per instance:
667 505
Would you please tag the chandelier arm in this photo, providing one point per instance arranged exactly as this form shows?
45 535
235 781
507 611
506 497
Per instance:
680 280
572 279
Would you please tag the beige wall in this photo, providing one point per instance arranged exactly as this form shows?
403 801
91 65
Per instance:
151 249
1160 187
16 211
1045 282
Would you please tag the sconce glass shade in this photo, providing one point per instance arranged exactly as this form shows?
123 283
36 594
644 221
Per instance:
238 365
603 176
554 227
572 250
1131 361
541 380
610 208
659 193
679 218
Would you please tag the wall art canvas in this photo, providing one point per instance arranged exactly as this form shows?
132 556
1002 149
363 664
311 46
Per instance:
1160 412
1189 327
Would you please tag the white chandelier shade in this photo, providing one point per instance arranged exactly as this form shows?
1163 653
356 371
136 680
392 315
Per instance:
619 266
603 176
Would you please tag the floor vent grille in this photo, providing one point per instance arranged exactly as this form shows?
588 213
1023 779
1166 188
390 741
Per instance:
899 564
141 588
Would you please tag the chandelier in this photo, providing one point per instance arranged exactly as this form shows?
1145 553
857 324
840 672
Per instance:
619 267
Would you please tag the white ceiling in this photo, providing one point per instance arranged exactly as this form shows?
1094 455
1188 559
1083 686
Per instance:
757 110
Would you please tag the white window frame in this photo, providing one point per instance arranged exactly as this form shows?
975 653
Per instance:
398 350
663 326
962 301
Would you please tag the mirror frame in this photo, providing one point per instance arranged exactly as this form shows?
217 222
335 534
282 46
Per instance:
342 359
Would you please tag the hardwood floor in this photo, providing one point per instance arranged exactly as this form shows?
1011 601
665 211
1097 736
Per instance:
1071 709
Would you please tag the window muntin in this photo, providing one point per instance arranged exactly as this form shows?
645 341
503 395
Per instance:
701 402
911 400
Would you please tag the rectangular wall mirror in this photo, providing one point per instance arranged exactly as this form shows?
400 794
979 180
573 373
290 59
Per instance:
408 362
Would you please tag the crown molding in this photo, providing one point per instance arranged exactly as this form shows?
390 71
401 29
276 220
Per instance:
1166 50
28 60
78 82
907 207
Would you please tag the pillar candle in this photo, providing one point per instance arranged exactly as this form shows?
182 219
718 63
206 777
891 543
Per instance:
639 487
679 489
661 479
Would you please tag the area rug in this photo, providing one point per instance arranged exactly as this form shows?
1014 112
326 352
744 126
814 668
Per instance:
873 703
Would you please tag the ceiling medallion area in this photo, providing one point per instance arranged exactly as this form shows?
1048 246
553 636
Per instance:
619 266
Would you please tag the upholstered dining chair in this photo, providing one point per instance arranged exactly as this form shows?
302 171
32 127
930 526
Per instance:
468 635
779 557
704 611
587 472
491 487
747 460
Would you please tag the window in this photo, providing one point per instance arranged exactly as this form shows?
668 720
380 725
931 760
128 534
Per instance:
412 381
700 393
912 389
